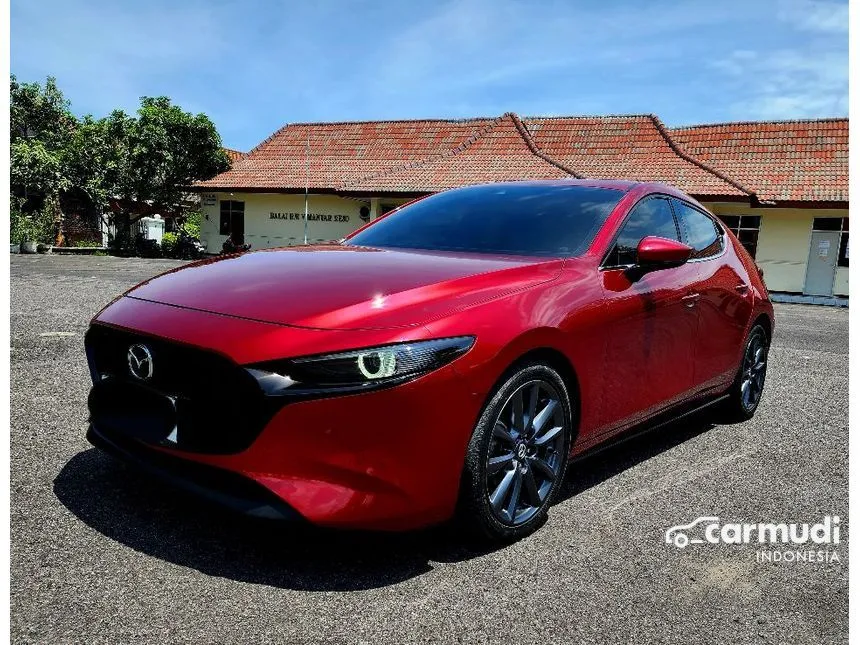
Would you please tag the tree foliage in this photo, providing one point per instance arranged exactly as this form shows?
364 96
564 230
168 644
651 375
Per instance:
40 113
148 158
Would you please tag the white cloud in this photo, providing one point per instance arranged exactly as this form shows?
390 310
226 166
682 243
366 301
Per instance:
474 43
813 15
787 84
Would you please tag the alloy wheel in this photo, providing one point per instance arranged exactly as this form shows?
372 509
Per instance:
525 455
754 370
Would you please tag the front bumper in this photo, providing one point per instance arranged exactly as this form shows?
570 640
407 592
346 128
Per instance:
387 459
221 487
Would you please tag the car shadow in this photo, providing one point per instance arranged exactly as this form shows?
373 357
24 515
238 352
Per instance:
129 507
630 449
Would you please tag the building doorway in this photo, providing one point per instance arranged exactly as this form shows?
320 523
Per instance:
828 245
233 221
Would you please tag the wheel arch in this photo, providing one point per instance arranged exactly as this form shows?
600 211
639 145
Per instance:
765 321
561 364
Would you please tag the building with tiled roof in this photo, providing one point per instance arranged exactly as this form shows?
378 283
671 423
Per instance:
797 172
781 186
781 162
632 147
234 155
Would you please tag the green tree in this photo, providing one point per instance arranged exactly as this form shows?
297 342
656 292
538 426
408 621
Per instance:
160 154
41 125
150 158
40 113
35 168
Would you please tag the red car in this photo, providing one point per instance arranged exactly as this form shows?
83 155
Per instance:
447 359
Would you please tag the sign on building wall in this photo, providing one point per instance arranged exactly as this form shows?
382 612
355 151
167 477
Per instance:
275 220
312 217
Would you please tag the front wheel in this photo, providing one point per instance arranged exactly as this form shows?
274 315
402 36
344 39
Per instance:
517 455
745 393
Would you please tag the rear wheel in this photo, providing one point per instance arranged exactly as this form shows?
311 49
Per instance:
517 456
745 393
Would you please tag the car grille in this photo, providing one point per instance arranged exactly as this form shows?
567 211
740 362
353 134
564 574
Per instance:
195 400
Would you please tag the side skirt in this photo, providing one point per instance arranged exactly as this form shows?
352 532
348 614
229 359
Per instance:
663 419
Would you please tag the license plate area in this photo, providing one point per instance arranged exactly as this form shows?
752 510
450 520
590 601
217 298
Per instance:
131 410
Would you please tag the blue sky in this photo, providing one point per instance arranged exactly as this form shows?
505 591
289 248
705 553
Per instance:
253 66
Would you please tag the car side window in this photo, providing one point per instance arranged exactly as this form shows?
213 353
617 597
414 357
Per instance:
653 216
700 231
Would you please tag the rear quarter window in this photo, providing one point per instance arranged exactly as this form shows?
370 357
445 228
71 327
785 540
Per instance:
699 231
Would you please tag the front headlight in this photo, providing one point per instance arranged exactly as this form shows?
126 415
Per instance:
359 369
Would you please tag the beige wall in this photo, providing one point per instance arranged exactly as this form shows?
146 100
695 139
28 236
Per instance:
783 244
273 219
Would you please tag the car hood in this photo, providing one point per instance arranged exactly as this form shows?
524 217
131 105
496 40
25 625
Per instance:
343 287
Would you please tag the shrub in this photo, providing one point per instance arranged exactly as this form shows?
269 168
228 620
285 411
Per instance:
192 222
87 243
168 244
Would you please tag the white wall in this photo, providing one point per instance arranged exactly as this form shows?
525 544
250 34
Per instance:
273 220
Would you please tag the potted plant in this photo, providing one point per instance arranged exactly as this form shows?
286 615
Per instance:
28 234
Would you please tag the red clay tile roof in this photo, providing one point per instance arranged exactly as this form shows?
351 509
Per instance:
779 160
500 151
234 155
340 152
631 147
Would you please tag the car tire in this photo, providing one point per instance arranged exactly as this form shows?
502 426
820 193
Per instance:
745 393
538 455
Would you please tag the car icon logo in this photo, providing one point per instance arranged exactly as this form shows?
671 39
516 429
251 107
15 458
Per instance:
140 362
677 535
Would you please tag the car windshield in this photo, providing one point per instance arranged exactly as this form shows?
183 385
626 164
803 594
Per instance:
551 220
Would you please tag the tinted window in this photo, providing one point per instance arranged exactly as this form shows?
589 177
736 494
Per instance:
514 219
650 217
228 210
701 231
827 224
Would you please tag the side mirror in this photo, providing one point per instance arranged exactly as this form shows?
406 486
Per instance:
661 253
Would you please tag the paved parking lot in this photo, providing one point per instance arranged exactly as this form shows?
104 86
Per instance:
101 554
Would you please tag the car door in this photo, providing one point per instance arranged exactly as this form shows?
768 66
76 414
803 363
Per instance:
724 301
648 358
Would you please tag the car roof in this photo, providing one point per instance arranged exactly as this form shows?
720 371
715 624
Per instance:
624 185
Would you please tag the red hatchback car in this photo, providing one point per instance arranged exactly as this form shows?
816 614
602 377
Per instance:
447 359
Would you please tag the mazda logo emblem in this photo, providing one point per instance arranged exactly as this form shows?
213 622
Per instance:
140 362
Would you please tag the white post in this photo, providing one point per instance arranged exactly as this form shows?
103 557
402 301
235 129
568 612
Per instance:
307 181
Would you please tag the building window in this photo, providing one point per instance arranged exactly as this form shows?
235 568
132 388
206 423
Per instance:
835 224
228 209
745 228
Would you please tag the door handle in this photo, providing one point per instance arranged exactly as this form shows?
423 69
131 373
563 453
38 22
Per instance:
691 299
742 289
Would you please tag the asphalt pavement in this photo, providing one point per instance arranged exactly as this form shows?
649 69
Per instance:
101 554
